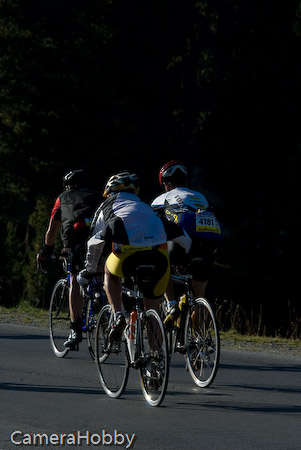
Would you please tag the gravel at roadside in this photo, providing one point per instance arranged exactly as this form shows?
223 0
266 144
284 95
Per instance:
241 343
266 346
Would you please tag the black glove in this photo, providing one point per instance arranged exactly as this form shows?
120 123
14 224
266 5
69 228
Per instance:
45 251
43 256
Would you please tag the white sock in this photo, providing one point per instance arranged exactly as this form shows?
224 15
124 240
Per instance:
171 303
117 313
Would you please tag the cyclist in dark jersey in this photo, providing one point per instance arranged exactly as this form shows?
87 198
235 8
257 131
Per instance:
136 237
72 215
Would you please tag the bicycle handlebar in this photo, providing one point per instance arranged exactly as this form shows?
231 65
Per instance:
181 279
129 292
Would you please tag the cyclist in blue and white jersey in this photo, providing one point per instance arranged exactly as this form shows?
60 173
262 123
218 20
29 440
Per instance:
190 210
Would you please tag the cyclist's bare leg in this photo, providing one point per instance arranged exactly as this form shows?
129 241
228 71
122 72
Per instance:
199 288
150 303
113 289
169 293
75 299
154 337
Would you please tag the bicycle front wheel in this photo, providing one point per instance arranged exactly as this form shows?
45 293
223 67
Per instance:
90 325
59 318
112 364
202 342
154 370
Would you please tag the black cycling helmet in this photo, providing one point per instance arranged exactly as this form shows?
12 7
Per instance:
75 178
173 171
122 181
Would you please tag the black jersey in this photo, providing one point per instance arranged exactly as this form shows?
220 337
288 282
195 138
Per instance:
75 209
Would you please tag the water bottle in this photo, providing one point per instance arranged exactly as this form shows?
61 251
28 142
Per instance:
182 307
181 324
131 334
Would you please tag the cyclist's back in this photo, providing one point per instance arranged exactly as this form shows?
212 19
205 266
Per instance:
75 208
189 209
181 197
127 220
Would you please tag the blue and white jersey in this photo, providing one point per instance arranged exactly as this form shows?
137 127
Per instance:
181 197
189 209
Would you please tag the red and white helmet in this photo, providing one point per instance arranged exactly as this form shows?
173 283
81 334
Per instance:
172 171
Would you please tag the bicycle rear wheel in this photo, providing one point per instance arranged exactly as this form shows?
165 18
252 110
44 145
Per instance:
112 365
202 342
59 318
154 370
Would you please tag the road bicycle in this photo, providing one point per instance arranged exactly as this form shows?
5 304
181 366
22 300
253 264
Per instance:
59 315
143 346
195 334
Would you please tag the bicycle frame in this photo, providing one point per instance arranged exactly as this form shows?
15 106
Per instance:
88 312
183 280
138 297
89 292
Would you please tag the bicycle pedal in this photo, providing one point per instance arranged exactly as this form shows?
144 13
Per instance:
180 349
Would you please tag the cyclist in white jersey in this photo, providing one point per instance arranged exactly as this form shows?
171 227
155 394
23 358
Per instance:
136 236
190 210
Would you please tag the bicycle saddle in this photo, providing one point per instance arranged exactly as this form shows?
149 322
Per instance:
144 272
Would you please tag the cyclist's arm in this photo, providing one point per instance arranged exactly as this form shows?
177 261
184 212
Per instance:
54 224
52 231
184 241
95 247
101 234
158 203
177 234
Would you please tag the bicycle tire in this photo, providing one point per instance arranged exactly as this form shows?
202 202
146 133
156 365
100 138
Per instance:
170 332
154 371
91 323
112 365
202 342
59 318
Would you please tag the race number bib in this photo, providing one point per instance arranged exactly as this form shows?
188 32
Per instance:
207 223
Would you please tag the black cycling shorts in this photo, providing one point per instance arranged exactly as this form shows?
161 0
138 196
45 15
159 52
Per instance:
77 257
200 259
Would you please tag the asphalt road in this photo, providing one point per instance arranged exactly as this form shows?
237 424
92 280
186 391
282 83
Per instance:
254 403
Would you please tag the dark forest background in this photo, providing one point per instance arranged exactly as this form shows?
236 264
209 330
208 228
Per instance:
110 84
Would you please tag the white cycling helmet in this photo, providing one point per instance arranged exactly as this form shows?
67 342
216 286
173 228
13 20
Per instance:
123 181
